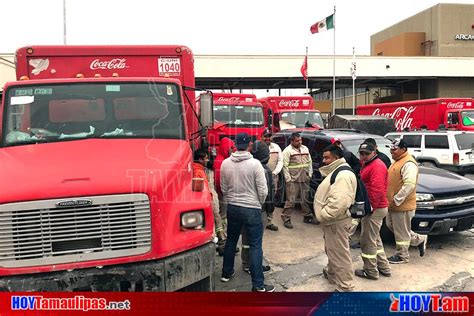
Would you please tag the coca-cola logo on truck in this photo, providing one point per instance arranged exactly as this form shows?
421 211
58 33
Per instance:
402 116
289 103
455 105
228 99
116 63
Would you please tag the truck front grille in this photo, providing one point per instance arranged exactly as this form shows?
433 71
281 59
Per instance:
45 232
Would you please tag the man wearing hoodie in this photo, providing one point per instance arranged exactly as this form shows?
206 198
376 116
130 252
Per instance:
261 152
244 188
226 147
331 205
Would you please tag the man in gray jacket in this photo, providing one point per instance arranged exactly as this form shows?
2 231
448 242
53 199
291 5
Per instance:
244 189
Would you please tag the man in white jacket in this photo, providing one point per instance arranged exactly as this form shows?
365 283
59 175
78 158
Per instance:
244 189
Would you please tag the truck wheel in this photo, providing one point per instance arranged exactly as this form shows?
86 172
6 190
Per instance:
205 285
428 164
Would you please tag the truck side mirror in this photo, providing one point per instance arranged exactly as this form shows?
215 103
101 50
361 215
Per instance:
206 109
269 119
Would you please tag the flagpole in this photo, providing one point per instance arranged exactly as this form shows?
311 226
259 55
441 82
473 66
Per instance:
353 80
334 66
307 75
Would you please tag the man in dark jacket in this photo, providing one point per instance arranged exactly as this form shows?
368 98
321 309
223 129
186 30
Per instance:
261 152
350 158
380 155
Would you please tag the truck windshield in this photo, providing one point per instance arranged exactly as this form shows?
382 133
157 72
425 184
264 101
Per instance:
302 119
467 118
60 112
239 115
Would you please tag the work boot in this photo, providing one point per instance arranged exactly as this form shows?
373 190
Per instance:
385 273
272 227
422 246
395 259
362 274
288 224
310 220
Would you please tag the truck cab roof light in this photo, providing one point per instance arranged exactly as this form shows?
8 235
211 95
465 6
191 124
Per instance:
178 50
29 50
24 78
115 74
97 76
79 75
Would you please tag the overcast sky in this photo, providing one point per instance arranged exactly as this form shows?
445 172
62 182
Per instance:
206 26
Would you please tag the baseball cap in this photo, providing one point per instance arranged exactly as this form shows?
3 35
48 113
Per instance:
335 140
366 148
242 141
267 133
398 143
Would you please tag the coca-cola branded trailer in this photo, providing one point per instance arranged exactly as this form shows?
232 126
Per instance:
97 140
235 113
453 113
284 112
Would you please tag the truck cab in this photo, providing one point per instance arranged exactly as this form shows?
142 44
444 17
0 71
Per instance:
101 158
291 112
233 114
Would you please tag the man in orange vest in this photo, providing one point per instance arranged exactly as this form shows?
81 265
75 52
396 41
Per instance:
401 194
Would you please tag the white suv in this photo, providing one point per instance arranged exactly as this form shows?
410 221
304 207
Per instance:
450 150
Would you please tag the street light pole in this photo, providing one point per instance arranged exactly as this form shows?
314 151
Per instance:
64 20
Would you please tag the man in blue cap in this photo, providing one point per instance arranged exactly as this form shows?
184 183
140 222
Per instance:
244 188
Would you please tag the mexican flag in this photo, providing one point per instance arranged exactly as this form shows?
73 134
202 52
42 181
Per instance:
323 25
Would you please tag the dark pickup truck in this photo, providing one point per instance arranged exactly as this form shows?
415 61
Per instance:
445 201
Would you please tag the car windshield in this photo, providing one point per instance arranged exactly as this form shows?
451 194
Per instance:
302 119
465 141
60 112
239 115
467 118
383 145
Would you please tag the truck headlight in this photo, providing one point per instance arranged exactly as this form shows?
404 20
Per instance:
192 220
422 197
425 201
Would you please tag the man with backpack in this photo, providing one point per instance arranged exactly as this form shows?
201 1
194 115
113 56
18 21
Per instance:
331 205
374 175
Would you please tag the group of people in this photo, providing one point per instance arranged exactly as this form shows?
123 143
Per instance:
247 173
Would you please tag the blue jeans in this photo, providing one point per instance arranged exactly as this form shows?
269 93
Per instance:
251 220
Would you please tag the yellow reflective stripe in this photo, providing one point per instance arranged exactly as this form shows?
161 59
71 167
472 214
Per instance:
410 182
381 250
355 222
367 256
219 229
245 246
301 165
403 243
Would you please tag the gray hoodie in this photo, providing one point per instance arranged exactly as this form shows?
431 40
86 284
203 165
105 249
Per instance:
243 181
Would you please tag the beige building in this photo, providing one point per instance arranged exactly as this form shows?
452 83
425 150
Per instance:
444 30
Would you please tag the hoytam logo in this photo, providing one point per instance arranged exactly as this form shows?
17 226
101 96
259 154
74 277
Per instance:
289 103
435 303
402 116
116 63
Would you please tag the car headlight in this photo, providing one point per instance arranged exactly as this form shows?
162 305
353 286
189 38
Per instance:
422 197
425 201
192 220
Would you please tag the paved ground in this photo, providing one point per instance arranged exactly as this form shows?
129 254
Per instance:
297 258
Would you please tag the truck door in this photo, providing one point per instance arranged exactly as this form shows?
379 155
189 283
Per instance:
452 120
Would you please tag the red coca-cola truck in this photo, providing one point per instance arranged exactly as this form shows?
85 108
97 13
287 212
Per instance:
235 113
453 113
284 112
97 180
